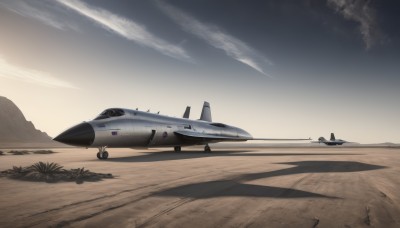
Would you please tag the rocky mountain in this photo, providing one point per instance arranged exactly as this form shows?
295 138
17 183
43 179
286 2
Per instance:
15 129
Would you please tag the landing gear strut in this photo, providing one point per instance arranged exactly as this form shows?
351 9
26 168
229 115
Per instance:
207 149
102 154
177 149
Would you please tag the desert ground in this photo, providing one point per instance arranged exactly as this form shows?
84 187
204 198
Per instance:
231 187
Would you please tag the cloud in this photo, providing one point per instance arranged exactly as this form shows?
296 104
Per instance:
361 12
34 9
126 28
10 71
232 46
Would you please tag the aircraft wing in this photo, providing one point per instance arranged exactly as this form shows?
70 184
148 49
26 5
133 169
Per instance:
203 136
274 139
344 141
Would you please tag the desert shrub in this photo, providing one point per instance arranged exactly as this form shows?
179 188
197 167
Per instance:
52 172
20 171
46 168
45 171
16 171
19 152
43 152
24 152
78 173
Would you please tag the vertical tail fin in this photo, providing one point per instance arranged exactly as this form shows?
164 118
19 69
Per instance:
332 137
206 112
187 112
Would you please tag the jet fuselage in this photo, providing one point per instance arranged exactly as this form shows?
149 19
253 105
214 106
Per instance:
133 128
332 142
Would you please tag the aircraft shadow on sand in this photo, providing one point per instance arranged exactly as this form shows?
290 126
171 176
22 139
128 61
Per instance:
225 188
170 156
235 187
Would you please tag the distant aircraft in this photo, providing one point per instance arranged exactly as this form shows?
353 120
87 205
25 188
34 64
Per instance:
332 142
125 128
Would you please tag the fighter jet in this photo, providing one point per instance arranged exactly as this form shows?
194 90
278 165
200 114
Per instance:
332 142
125 128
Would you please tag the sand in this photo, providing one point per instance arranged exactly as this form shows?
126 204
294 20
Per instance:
242 187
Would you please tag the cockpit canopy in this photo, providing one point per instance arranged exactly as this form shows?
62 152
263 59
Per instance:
112 112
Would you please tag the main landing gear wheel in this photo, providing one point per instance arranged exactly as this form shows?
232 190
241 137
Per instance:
177 149
102 154
207 149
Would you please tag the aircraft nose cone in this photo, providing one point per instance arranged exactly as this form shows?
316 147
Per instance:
79 135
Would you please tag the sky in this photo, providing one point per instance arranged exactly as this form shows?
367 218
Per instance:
275 68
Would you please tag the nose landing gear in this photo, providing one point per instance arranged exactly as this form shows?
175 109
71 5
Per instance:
102 154
207 149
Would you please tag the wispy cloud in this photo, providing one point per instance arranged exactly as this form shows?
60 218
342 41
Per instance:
361 12
42 11
11 71
232 46
126 28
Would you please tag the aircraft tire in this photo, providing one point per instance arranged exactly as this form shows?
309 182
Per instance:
98 155
104 155
177 149
207 149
